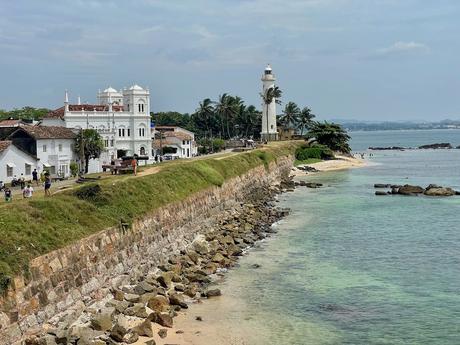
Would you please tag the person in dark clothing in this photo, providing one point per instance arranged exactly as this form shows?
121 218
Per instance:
35 177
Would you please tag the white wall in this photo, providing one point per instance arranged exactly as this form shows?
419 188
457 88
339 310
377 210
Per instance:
13 155
59 159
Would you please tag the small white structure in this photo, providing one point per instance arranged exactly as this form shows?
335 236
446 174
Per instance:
14 162
122 118
180 139
269 130
52 146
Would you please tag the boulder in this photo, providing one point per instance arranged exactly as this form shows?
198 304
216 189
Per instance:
410 190
163 319
200 245
133 298
144 329
150 342
381 185
439 191
102 321
176 299
165 279
436 146
212 293
118 332
158 303
379 192
143 287
130 337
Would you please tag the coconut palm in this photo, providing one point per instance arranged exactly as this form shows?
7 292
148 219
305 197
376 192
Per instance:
305 119
226 109
290 117
273 93
204 115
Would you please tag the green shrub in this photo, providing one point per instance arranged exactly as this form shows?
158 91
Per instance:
74 168
315 152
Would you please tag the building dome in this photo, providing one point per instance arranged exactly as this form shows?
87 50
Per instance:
136 87
110 90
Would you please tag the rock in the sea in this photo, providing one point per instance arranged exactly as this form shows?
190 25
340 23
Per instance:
212 293
379 192
382 185
410 190
433 190
436 146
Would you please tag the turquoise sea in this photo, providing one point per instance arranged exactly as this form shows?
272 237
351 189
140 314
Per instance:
348 267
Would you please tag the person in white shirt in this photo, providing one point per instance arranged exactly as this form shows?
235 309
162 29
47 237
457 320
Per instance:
28 191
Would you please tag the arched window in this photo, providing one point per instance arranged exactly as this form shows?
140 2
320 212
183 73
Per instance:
142 151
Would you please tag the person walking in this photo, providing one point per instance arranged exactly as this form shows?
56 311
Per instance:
8 194
35 177
22 182
134 165
27 192
47 184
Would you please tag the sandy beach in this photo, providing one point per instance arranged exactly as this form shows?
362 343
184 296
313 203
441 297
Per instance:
340 163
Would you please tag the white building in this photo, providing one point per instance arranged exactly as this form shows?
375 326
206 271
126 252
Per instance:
121 117
269 130
14 162
52 146
176 138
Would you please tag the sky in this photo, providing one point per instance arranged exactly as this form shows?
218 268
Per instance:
373 60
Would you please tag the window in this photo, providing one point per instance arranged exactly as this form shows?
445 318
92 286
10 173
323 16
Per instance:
52 170
60 147
9 171
183 142
142 151
129 132
128 106
121 132
28 169
106 142
140 107
111 142
142 132
44 148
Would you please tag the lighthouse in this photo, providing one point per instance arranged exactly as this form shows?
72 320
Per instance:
269 131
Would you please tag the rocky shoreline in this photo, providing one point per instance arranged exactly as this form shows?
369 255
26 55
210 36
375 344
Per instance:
410 190
129 313
436 146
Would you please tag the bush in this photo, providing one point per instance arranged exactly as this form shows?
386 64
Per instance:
74 168
91 192
316 152
208 146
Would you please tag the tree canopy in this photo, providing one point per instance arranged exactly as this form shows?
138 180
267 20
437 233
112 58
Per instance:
88 145
24 113
330 134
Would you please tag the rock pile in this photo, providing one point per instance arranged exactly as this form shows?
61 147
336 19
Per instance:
307 168
129 311
431 190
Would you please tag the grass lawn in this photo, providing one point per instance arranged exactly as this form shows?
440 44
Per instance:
30 228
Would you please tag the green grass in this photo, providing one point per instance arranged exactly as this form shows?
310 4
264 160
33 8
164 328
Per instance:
32 228
307 161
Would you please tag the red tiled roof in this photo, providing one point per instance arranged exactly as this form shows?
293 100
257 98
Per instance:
165 142
179 135
47 132
4 145
9 122
59 113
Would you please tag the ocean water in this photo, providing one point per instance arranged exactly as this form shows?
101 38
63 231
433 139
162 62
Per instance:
349 267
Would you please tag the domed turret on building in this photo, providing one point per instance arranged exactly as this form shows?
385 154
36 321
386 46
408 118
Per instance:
110 96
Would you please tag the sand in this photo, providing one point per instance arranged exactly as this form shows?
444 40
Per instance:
341 163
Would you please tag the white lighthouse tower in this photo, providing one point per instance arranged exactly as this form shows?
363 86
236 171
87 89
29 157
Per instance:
269 131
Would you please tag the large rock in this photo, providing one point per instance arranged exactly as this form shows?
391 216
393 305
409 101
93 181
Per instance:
144 329
158 303
200 244
410 190
439 191
212 293
436 146
176 299
163 319
102 321
165 279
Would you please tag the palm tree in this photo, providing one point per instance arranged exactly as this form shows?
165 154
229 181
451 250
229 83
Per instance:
204 115
290 117
88 145
305 119
226 110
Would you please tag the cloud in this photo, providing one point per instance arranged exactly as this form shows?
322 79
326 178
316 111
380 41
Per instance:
403 48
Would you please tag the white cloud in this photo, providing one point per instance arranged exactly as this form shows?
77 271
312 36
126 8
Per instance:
401 47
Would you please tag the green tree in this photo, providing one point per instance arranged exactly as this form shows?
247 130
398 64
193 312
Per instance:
330 134
204 118
290 117
305 119
88 145
171 118
226 109
273 93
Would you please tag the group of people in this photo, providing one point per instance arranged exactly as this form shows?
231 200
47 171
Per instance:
28 190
